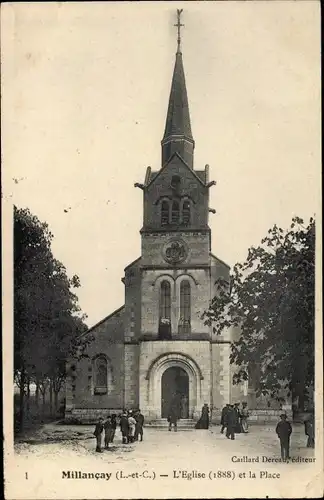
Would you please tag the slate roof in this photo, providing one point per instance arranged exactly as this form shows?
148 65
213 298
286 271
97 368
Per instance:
178 118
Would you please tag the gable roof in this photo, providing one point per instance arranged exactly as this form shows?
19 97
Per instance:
133 263
103 320
198 177
219 260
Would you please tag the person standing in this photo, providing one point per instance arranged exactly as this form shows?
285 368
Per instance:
231 421
284 431
108 431
139 425
184 407
113 425
237 428
131 427
98 434
124 426
244 418
224 417
310 431
204 419
173 418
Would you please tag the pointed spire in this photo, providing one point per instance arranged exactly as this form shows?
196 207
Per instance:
177 134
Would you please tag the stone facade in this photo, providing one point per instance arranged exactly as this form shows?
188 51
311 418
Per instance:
156 350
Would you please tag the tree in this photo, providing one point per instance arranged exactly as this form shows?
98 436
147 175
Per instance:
47 317
271 299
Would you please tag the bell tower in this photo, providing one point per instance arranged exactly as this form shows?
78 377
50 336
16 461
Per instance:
175 258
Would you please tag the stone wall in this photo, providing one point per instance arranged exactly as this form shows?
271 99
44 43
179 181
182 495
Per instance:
133 298
131 376
197 244
200 293
91 415
108 339
220 375
193 356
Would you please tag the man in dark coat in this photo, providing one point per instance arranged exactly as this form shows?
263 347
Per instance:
139 425
224 417
284 431
124 426
173 418
108 431
113 425
98 434
231 422
237 429
310 431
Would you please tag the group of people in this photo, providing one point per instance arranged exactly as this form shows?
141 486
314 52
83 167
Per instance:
131 424
234 418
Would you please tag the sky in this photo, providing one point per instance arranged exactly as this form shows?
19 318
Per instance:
85 95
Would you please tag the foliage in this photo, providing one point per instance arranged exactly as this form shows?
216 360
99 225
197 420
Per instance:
47 318
271 300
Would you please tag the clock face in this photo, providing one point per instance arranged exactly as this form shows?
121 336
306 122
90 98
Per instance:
175 251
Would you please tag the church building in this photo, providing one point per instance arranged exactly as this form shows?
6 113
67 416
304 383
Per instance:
156 347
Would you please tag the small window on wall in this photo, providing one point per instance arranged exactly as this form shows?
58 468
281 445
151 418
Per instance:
175 212
100 375
186 213
165 213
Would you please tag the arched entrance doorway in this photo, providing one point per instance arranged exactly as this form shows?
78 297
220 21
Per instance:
175 392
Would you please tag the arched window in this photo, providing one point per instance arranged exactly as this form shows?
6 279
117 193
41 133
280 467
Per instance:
175 212
164 332
186 213
164 213
100 374
165 300
185 307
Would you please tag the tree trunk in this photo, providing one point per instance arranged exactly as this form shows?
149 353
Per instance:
43 401
56 393
22 400
51 397
37 394
28 396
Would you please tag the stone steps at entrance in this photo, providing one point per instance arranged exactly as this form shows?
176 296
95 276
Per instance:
162 423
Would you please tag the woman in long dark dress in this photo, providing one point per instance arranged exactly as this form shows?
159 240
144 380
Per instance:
203 422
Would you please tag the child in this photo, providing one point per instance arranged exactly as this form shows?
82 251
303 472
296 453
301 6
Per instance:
284 431
131 427
98 434
108 431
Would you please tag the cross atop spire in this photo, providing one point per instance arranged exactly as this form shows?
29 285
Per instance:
179 26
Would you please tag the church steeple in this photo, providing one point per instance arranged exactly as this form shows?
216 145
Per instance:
177 134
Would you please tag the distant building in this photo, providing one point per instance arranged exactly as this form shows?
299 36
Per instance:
155 351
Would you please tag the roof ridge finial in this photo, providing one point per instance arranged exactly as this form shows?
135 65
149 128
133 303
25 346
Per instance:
179 25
